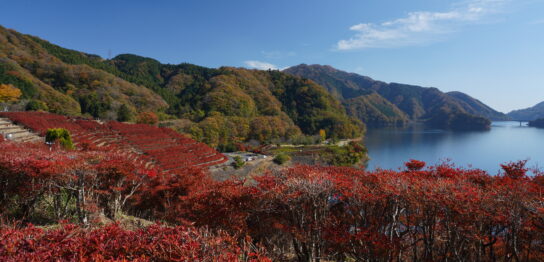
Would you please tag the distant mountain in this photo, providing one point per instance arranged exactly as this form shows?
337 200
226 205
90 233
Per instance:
399 103
528 114
374 110
476 107
537 123
358 93
218 106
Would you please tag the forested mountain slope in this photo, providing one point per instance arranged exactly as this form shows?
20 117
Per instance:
476 107
217 106
357 93
399 102
531 113
63 87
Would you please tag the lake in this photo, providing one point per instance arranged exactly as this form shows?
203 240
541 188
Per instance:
507 141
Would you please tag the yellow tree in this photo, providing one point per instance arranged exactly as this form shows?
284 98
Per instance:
322 134
9 93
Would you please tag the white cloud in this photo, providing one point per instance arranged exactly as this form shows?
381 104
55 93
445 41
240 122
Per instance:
418 27
260 65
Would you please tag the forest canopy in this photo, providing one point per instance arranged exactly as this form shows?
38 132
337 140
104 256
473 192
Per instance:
70 82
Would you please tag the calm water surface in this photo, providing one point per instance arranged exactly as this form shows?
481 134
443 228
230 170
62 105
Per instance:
507 141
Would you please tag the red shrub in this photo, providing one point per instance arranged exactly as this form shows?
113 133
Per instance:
440 213
162 146
515 170
148 118
437 213
414 165
104 181
112 243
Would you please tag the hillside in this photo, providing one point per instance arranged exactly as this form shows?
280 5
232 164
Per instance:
67 88
401 103
476 107
374 110
528 114
149 146
537 123
218 106
358 94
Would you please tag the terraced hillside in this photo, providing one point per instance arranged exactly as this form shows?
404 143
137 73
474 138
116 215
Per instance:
17 133
150 146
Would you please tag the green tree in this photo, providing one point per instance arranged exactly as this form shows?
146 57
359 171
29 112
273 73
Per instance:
124 114
281 159
92 105
238 162
61 135
35 105
350 155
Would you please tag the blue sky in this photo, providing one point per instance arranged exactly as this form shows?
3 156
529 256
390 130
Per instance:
490 49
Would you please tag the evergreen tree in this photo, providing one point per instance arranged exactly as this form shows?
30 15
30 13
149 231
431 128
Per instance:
124 114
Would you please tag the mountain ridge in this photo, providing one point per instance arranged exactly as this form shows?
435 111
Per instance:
416 102
219 106
528 114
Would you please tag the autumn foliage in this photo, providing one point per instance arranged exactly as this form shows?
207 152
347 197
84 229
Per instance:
435 214
304 213
113 243
414 165
162 147
9 93
43 186
148 118
40 185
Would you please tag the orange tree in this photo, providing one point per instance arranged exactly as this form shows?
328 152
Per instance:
9 93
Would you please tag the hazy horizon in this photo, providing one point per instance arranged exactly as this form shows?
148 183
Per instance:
489 49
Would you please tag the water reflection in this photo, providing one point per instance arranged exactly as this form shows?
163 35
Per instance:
507 141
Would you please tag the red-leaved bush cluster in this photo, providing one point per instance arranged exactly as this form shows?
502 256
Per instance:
304 213
36 182
437 214
146 144
148 118
113 243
